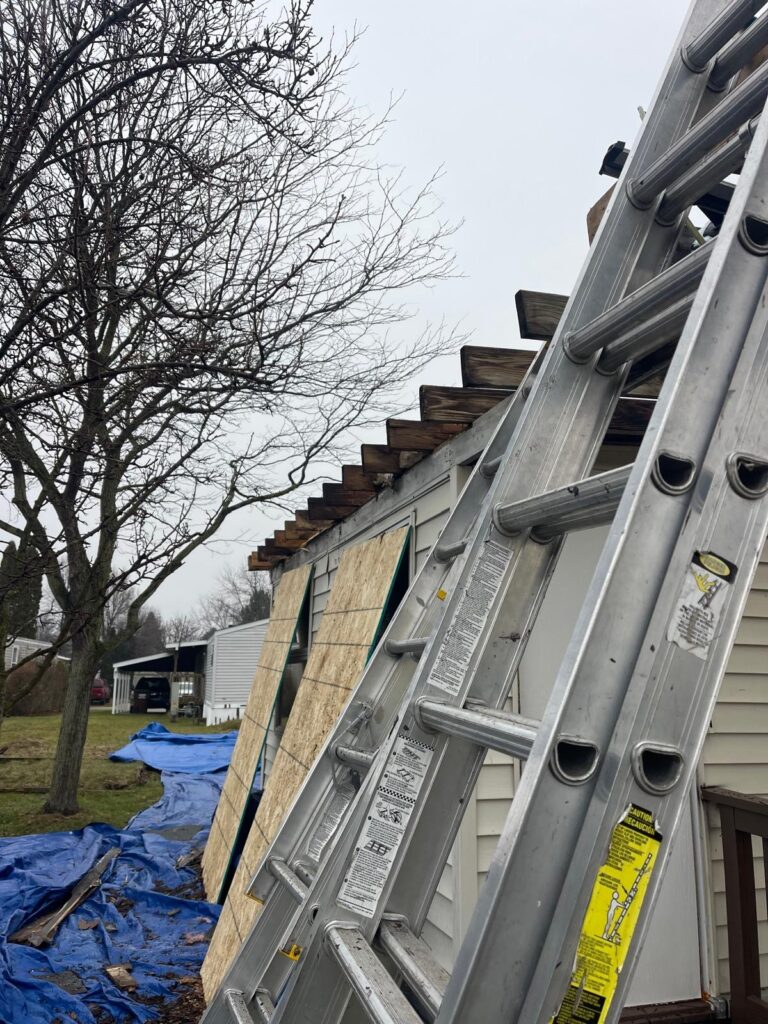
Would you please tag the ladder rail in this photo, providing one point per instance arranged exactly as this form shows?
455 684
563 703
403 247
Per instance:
707 352
566 461
733 521
322 788
568 406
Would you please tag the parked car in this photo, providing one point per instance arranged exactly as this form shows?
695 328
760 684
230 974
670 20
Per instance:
151 693
99 691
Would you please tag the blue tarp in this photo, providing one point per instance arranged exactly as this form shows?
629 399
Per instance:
147 912
169 751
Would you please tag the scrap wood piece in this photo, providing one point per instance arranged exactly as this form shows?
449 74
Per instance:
191 857
42 930
120 975
349 627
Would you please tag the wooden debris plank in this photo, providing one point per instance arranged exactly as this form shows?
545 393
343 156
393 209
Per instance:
483 366
420 435
348 629
538 314
378 458
42 930
281 630
458 405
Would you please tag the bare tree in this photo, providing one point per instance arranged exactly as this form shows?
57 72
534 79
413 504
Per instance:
239 596
179 628
199 270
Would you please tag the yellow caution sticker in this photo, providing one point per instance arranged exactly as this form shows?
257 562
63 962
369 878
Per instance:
441 595
292 951
611 917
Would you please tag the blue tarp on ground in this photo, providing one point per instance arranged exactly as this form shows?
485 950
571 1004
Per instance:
178 752
147 912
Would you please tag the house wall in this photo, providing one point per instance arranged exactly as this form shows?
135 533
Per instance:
232 660
21 648
736 757
209 659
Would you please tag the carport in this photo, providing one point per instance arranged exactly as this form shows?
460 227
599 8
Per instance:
182 664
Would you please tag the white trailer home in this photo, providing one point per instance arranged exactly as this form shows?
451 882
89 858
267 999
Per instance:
710 923
21 647
233 654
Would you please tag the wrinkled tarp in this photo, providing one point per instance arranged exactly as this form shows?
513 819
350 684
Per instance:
186 807
169 751
148 913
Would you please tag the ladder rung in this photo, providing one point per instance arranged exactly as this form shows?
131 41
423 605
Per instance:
649 367
447 552
415 645
499 730
718 165
738 106
645 338
414 960
667 287
377 992
490 468
576 506
287 878
698 53
263 1005
353 757
237 1007
739 52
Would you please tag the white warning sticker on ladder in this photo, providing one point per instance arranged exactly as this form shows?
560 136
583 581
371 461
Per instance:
385 826
330 822
702 597
459 643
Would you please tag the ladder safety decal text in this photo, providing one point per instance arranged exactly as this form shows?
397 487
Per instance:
611 917
702 598
469 618
383 831
330 822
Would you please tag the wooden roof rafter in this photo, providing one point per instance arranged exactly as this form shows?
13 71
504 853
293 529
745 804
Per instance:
489 375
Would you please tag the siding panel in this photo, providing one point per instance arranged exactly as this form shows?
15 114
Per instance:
736 753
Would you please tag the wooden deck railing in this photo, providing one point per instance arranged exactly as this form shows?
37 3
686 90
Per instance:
741 818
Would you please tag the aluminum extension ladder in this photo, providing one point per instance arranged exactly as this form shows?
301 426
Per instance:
348 880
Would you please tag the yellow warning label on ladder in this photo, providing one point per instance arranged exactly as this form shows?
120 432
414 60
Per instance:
611 917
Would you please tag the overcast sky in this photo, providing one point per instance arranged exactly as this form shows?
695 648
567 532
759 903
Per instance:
517 102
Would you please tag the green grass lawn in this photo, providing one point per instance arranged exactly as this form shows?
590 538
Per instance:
109 792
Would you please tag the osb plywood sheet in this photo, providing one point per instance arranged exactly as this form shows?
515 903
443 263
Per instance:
289 598
347 631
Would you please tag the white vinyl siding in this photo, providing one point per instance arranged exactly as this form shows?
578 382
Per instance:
21 648
231 661
736 756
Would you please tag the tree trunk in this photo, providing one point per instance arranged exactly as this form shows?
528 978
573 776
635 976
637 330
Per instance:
86 653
